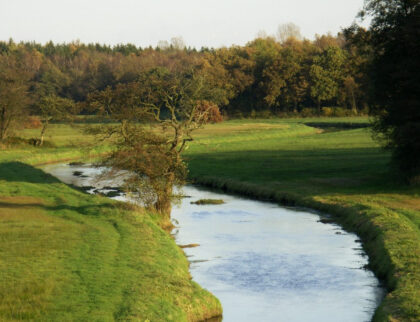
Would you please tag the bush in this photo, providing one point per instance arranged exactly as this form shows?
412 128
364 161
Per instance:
337 111
213 115
14 141
33 122
265 114
340 112
307 112
327 111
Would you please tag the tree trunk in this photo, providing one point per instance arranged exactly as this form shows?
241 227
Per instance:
124 130
295 106
3 124
353 103
163 203
319 106
44 128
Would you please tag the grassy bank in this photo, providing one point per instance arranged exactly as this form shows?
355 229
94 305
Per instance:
63 142
69 256
322 163
336 169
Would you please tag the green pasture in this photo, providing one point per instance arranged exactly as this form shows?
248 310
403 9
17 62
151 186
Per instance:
63 142
70 256
337 170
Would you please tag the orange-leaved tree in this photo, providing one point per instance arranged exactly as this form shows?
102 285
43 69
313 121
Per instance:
156 117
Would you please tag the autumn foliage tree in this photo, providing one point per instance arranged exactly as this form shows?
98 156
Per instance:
157 115
267 74
17 67
327 74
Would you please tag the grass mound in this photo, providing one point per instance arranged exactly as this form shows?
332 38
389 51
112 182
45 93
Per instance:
208 202
69 256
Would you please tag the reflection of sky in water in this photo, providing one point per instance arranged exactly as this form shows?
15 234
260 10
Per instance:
227 238
264 262
230 213
267 263
263 273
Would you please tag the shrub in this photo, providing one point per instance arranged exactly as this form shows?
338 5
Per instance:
327 111
265 114
339 112
213 115
32 122
307 112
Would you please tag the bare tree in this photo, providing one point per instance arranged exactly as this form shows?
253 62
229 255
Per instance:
163 44
178 43
288 30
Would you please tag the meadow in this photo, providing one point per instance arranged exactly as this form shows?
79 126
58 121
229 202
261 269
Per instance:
70 256
328 164
338 170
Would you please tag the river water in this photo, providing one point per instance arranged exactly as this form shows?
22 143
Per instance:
265 262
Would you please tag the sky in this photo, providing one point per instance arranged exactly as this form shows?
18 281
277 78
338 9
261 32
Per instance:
214 23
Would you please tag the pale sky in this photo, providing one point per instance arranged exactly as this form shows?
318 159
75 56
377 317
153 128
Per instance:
213 23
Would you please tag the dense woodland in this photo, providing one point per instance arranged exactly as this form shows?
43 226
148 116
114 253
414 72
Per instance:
268 75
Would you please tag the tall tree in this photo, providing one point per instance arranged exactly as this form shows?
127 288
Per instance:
395 30
285 77
288 30
14 99
326 74
359 56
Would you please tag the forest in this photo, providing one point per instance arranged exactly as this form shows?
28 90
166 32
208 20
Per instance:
268 76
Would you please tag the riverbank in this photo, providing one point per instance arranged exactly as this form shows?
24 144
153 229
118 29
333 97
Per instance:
336 169
67 255
340 172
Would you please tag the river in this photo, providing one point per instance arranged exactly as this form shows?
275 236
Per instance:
263 261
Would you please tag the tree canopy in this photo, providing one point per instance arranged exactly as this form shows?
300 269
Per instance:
157 115
264 75
395 77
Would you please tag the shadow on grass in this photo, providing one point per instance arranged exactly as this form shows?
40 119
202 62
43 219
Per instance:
337 126
20 172
308 171
88 210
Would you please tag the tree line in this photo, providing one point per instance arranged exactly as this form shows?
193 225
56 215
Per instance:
267 75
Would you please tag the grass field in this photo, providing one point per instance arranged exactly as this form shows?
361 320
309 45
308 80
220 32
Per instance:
342 172
335 169
63 142
69 256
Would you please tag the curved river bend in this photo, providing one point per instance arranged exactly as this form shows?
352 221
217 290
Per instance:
265 262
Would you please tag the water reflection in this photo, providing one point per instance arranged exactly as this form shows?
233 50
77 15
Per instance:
268 263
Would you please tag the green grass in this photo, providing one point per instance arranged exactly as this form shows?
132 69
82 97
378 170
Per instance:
344 173
63 249
69 256
208 202
63 142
